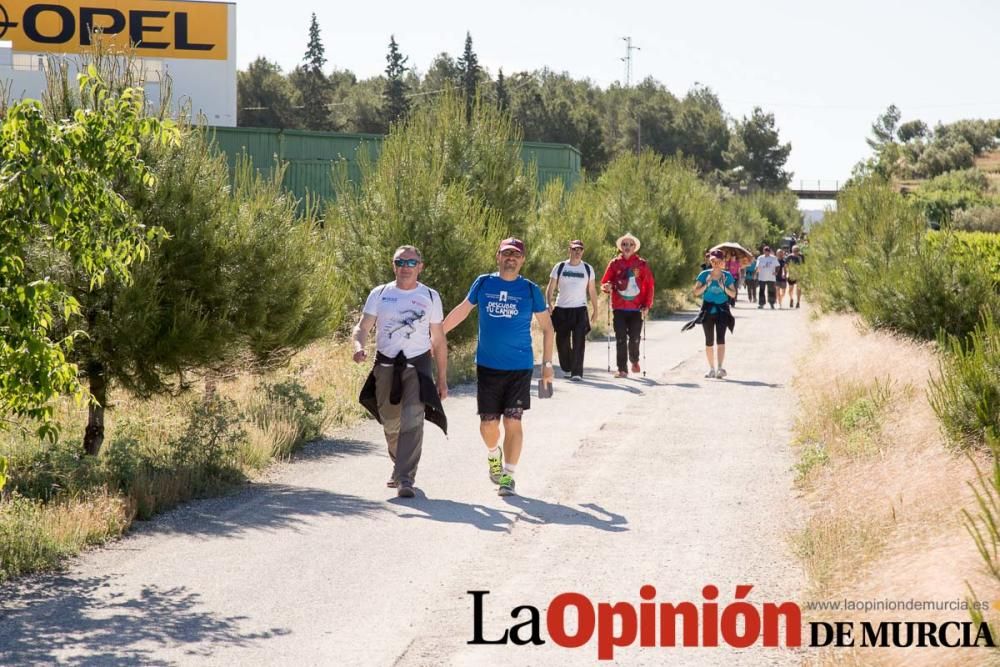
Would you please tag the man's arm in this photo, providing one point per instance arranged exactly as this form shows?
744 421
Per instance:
549 291
439 343
548 339
360 336
457 315
606 280
592 294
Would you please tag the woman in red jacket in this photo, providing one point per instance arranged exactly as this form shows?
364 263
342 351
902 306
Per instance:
630 282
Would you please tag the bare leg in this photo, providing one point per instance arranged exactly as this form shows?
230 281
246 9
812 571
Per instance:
490 431
720 353
513 438
709 357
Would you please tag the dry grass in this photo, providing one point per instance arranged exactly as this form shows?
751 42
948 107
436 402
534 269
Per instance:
885 524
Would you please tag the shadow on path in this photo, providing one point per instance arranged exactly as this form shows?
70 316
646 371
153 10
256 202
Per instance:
753 383
334 448
451 511
541 512
56 617
270 507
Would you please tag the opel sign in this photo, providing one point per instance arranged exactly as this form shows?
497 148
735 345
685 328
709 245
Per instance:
153 28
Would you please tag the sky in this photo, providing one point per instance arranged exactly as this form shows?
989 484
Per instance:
826 70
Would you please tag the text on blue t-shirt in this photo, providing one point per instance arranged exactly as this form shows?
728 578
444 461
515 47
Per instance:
505 310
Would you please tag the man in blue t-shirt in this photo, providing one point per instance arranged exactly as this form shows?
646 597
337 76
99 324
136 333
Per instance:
506 301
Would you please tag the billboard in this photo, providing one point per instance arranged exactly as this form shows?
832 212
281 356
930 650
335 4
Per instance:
156 28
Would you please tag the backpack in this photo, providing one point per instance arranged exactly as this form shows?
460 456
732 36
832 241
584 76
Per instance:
430 292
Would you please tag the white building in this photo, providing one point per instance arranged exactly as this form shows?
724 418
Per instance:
192 43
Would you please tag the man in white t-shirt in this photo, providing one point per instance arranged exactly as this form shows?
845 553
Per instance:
400 391
575 282
767 269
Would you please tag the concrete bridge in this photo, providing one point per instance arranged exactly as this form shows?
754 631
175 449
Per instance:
818 189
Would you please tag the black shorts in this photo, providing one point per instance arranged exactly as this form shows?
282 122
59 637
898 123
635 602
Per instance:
497 391
781 283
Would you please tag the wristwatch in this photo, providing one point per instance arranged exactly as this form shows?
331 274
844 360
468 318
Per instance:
548 364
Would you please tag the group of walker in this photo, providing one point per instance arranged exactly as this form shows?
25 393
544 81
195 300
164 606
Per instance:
410 339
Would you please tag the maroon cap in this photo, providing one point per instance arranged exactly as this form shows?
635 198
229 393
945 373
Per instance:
717 254
512 244
576 243
767 248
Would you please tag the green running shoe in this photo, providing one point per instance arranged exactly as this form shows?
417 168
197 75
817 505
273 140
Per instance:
496 468
506 486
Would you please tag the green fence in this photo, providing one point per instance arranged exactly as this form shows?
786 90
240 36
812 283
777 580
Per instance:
310 156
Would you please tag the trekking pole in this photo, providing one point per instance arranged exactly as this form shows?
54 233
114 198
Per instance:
607 333
644 344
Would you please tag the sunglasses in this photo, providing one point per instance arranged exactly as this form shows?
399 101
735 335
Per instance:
576 249
406 262
510 253
627 244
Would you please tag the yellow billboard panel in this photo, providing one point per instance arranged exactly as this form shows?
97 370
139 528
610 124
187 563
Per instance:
155 28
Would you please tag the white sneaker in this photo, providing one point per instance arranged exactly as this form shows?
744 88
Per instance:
721 373
710 373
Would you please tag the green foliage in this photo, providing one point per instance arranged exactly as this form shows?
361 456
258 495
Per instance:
921 153
980 251
311 83
62 196
756 153
873 256
977 219
665 204
267 98
966 397
470 75
396 103
550 107
451 188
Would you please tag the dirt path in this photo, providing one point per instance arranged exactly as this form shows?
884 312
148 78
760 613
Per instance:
623 483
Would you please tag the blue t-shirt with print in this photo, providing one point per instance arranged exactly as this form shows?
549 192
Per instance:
505 311
715 293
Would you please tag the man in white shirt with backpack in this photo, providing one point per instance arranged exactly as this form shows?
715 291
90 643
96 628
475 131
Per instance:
400 391
575 282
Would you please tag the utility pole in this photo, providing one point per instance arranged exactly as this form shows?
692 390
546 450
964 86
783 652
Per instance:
629 48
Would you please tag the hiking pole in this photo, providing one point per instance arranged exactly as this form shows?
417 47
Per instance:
607 333
644 344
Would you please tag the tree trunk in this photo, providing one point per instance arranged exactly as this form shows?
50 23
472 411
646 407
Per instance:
94 435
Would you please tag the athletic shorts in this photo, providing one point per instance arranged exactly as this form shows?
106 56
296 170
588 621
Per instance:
792 282
781 283
497 391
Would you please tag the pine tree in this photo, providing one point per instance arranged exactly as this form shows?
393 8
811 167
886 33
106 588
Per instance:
469 71
396 103
503 97
313 84
315 56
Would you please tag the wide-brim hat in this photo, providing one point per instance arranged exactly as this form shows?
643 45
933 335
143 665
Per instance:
630 237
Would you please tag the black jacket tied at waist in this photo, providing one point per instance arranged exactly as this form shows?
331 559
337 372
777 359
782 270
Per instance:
433 410
724 312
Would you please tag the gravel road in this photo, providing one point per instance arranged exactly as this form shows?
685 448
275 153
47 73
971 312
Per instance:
671 480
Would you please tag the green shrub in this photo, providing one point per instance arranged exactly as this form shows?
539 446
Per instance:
966 397
447 186
977 219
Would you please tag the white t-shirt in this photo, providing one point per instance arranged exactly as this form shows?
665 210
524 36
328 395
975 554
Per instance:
767 266
404 318
572 284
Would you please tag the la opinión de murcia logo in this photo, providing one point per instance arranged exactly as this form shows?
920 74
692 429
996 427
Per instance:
738 624
109 20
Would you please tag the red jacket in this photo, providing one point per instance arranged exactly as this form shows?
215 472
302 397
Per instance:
631 283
